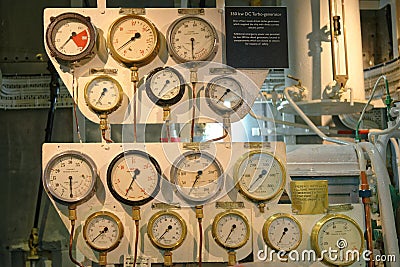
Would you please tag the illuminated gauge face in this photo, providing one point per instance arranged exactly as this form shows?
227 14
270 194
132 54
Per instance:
165 86
103 231
231 229
337 232
260 175
133 40
103 95
224 95
70 37
166 230
198 176
192 39
133 177
282 232
70 177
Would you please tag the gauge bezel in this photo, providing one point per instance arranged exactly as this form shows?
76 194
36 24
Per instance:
164 102
151 234
46 177
88 52
121 198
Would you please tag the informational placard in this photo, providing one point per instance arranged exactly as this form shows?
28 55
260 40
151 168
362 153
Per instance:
256 37
309 197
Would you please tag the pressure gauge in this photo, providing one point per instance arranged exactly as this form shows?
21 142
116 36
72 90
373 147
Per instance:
192 39
282 232
103 94
337 232
70 177
260 175
224 94
133 40
165 86
133 177
231 229
198 176
103 231
166 230
70 37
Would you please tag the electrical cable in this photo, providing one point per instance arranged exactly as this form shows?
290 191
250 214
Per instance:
103 135
193 112
136 241
71 238
201 240
218 138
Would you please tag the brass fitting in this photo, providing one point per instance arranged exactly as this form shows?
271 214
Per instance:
231 258
136 213
168 258
33 244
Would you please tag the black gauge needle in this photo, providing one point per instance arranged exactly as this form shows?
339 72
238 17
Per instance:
164 86
192 41
101 232
229 235
137 35
263 172
166 231
102 95
70 186
226 92
135 172
283 234
199 173
73 34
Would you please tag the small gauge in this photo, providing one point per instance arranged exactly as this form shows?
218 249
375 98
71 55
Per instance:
165 86
231 229
260 175
337 232
198 176
103 94
282 232
70 177
103 231
166 230
133 177
224 94
71 37
133 40
192 39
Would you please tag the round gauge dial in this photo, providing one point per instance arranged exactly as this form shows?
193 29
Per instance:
260 175
103 231
70 37
166 230
231 229
133 177
165 86
70 177
103 94
337 232
224 94
192 39
133 40
198 176
282 232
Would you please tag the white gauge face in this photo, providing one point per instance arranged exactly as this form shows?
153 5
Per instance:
197 176
133 39
192 39
70 177
231 230
261 176
224 94
133 177
340 233
165 84
103 231
103 94
166 230
282 232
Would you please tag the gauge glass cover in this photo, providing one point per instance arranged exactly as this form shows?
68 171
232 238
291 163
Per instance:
224 94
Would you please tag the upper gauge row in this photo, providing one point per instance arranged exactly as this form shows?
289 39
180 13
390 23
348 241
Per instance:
132 39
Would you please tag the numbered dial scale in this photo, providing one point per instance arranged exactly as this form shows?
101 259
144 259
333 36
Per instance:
103 231
260 175
198 176
70 177
282 232
166 230
133 40
70 37
133 177
231 229
103 94
192 39
224 94
165 86
337 232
